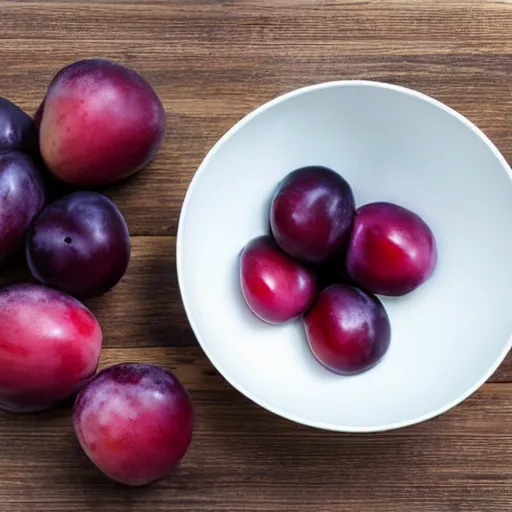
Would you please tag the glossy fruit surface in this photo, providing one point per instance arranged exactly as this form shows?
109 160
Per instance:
49 347
79 244
100 122
391 251
312 213
17 129
348 330
275 287
135 422
21 198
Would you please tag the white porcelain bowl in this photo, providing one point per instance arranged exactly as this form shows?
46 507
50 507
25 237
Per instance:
391 144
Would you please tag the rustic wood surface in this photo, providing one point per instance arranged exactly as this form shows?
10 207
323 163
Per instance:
212 62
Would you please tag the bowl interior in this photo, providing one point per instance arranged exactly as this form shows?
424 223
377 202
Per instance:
391 144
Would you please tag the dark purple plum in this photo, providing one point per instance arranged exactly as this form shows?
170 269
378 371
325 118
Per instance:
392 251
21 198
347 329
17 129
275 287
79 244
100 122
311 213
135 422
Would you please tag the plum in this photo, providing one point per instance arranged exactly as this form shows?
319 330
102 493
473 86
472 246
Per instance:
49 347
311 213
275 287
391 251
135 422
100 122
17 129
79 244
21 198
347 329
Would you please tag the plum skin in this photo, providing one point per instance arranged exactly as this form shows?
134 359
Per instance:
135 422
21 198
275 287
347 329
99 122
79 244
311 213
392 250
49 347
17 129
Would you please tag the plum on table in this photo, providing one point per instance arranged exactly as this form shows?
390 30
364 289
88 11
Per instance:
99 122
17 129
79 244
49 347
21 198
135 422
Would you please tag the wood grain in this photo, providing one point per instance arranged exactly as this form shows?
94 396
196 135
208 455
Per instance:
212 62
245 459
189 364
144 308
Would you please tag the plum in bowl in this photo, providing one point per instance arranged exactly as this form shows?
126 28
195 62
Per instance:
392 145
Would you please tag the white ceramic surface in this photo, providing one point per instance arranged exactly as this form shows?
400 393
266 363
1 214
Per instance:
391 144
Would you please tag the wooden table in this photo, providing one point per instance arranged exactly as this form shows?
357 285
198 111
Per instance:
212 62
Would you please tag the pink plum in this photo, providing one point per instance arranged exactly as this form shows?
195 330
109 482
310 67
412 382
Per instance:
392 251
276 287
49 347
99 122
135 422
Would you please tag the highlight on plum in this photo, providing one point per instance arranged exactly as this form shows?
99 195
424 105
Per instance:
392 251
276 287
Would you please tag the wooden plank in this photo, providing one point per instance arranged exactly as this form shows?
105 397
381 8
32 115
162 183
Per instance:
145 307
504 372
139 22
189 364
245 459
212 62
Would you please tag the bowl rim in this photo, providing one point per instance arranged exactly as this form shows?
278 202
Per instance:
180 272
